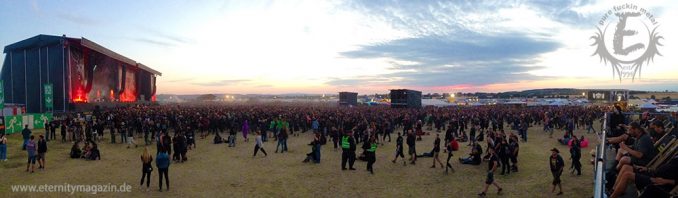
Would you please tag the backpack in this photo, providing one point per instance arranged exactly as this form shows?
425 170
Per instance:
455 145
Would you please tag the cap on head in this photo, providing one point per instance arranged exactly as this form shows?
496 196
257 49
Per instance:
555 150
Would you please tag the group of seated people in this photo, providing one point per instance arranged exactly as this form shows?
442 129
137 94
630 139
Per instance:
646 157
568 138
230 140
90 151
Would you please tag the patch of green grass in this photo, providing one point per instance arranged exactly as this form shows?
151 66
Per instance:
220 171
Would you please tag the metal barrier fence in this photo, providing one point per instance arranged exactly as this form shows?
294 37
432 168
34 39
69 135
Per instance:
599 188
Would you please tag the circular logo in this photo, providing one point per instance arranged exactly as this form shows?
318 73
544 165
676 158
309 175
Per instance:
627 38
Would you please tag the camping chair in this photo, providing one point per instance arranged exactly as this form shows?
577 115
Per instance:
664 155
664 140
659 158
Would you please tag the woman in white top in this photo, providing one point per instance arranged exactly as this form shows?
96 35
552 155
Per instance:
259 145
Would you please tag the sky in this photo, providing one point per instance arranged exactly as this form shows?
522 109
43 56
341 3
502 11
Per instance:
298 46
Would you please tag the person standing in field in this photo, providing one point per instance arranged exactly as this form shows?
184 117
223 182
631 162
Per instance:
575 155
259 144
3 147
146 168
371 154
31 149
411 143
492 163
399 150
504 155
26 133
348 150
163 163
556 163
123 133
42 149
436 152
451 146
245 130
282 141
130 139
64 130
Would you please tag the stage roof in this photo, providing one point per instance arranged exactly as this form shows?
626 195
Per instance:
48 40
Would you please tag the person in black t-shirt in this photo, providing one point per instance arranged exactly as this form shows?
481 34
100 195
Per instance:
493 162
575 155
411 143
42 149
504 154
556 163
399 150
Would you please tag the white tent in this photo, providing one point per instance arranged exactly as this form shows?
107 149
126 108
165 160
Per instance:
436 102
651 101
647 106
558 103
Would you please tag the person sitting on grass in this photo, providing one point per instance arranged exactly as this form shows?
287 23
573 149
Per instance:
315 150
218 139
474 158
75 150
566 138
93 152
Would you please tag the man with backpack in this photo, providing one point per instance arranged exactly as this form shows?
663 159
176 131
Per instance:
453 145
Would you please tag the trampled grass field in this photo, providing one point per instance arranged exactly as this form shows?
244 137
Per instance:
219 171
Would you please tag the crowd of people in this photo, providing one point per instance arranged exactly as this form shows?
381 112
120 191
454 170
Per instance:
174 128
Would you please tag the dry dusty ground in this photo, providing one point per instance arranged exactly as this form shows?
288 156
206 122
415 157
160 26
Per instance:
220 171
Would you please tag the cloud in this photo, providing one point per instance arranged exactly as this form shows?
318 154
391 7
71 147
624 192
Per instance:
221 83
180 80
35 7
444 17
464 42
156 37
154 42
77 19
468 58
160 35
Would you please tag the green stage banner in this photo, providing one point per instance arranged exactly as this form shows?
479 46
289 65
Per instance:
39 120
49 99
14 124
